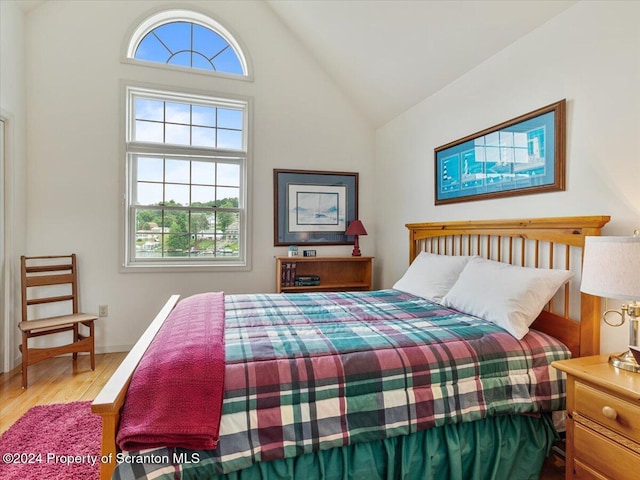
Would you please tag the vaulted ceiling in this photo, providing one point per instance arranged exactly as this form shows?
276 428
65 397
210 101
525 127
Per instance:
388 55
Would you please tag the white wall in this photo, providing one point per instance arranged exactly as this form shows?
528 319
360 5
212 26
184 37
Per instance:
590 55
13 111
74 73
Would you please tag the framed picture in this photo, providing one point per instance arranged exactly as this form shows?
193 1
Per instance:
521 156
313 207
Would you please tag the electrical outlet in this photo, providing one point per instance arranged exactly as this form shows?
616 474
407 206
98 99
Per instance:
103 310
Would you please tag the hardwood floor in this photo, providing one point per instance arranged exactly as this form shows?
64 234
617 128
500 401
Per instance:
553 468
60 380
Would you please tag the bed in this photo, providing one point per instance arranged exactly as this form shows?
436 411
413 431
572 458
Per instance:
421 420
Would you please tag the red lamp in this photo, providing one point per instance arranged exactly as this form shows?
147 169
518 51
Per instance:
356 228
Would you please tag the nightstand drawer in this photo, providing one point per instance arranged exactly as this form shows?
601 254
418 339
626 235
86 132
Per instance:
612 412
585 472
603 455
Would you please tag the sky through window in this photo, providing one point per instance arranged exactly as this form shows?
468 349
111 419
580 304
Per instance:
190 45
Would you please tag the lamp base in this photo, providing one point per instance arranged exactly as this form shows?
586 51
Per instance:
356 248
625 361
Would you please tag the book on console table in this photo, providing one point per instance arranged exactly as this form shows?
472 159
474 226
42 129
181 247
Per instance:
307 280
288 274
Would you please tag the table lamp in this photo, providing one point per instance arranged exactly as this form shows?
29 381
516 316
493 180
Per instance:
611 269
356 229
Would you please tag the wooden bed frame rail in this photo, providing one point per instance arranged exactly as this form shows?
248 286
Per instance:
110 400
503 240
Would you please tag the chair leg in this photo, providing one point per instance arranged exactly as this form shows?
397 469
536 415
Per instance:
75 339
93 346
25 359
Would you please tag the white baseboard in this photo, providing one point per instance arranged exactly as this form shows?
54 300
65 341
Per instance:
114 349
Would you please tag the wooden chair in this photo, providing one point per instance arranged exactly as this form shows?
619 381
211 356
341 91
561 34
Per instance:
52 280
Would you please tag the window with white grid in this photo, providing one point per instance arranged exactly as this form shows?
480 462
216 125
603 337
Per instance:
186 160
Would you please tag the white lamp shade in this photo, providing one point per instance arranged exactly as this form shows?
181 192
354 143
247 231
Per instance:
611 267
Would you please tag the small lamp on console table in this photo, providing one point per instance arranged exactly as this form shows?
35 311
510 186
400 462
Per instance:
611 269
356 229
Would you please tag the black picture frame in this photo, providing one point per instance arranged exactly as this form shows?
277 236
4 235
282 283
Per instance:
313 207
521 156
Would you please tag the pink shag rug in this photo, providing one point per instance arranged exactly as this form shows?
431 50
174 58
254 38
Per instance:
59 441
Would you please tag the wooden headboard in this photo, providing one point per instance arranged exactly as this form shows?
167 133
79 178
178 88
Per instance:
572 317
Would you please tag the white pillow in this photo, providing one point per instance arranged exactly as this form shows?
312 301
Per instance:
510 296
431 276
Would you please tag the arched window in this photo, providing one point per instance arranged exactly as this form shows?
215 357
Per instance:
187 39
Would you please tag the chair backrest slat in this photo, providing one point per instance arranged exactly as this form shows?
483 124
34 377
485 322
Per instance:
59 298
46 268
45 280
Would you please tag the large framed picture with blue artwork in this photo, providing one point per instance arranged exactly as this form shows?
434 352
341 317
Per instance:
313 207
521 156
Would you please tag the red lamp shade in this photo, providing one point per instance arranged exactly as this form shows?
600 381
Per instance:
356 228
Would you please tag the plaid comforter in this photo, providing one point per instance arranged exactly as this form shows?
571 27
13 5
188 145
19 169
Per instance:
306 372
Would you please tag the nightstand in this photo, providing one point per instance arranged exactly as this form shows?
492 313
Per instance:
603 419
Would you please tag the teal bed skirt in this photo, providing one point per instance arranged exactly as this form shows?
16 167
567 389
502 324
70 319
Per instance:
500 448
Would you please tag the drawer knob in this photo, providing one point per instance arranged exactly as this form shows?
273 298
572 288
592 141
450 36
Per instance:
609 412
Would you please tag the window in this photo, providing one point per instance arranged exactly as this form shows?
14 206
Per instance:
186 153
186 179
186 39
